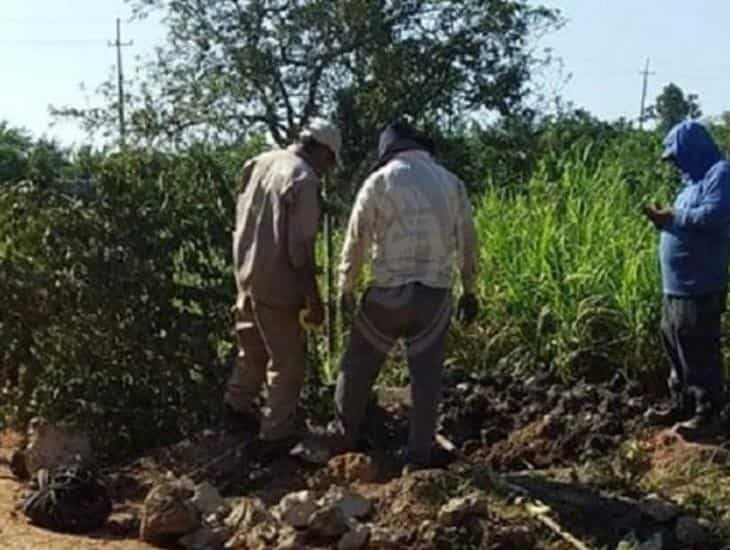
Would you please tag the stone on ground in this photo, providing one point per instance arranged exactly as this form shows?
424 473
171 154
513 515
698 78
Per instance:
457 510
168 513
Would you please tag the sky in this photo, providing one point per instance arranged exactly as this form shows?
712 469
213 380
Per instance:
605 44
48 48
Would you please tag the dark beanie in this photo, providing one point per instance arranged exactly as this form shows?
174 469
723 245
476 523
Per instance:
400 136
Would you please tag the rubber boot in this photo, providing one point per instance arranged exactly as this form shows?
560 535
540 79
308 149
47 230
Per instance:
677 411
705 422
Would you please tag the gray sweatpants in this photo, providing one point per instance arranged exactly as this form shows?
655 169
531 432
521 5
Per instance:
421 315
691 330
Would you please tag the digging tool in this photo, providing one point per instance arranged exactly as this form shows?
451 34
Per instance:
310 346
540 512
536 508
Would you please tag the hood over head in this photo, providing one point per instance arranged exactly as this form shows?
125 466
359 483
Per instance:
692 148
400 136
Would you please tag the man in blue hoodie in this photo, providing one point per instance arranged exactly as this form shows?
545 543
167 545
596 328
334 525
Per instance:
693 250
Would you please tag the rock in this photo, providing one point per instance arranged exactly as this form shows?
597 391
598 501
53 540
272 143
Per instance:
455 511
312 451
204 538
247 513
207 500
183 482
391 538
262 536
50 446
123 524
658 541
690 531
293 540
430 486
660 511
295 509
636 404
168 513
352 504
328 522
353 468
354 539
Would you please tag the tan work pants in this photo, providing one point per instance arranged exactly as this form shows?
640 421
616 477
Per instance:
270 349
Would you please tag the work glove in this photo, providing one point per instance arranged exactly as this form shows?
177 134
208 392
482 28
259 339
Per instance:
313 314
467 309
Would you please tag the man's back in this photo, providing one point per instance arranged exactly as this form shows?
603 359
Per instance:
276 212
417 218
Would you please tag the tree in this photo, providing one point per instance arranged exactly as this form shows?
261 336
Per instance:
231 67
672 107
15 147
22 157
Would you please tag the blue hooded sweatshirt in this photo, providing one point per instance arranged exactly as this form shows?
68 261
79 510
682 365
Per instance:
694 248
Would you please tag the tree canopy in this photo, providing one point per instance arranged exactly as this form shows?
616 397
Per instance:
233 67
673 106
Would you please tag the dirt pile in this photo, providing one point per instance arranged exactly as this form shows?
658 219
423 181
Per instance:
362 500
515 422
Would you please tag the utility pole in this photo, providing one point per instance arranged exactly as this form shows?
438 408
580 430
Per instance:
118 44
645 74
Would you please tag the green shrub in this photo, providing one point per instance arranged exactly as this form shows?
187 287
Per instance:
116 287
115 295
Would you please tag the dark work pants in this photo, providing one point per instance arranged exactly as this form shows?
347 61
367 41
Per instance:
690 329
419 314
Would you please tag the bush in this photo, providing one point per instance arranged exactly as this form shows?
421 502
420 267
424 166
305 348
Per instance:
115 295
115 282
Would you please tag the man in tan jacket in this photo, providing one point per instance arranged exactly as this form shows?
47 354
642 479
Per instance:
277 217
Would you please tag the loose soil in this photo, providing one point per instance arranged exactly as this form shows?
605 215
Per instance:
580 448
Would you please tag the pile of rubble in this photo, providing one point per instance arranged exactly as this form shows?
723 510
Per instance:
197 518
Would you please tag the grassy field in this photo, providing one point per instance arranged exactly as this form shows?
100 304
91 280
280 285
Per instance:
569 268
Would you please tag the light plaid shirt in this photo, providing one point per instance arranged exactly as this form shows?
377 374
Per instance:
413 218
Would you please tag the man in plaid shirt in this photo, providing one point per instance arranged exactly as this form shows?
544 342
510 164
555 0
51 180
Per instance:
413 221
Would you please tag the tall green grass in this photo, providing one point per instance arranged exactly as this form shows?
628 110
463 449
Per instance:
570 273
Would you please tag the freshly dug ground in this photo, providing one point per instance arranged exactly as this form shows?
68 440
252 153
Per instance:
559 464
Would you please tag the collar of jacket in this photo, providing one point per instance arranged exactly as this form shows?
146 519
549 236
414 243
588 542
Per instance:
398 147
298 150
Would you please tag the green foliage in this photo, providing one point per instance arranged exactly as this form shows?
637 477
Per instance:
672 107
115 283
232 68
570 274
21 157
115 294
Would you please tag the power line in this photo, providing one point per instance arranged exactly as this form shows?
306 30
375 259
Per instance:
54 42
52 21
118 44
